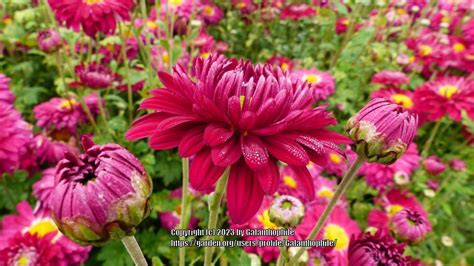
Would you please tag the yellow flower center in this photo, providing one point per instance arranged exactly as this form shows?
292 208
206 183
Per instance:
459 47
446 19
68 104
264 219
151 25
209 10
411 59
425 50
205 55
346 22
312 78
165 57
393 209
7 21
325 192
335 158
23 261
401 11
42 227
448 91
402 100
175 3
289 181
93 2
284 66
336 233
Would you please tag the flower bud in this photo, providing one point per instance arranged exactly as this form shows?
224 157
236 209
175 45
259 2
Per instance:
434 165
382 131
457 165
100 195
49 41
409 225
286 211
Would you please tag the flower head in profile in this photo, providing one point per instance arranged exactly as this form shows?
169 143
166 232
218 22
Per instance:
321 83
100 195
15 139
49 40
94 76
409 225
446 96
32 238
6 95
390 78
232 114
284 63
297 11
382 131
59 114
92 16
434 165
378 249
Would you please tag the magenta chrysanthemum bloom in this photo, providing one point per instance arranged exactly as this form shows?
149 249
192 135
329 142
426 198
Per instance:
380 176
6 95
233 114
401 97
458 165
92 16
468 31
49 40
339 226
322 83
94 76
100 195
297 11
59 113
42 190
50 150
378 249
390 78
15 138
210 13
434 165
27 237
341 25
409 225
286 64
382 131
446 96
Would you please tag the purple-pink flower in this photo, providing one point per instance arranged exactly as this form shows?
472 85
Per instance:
6 95
49 40
321 83
233 114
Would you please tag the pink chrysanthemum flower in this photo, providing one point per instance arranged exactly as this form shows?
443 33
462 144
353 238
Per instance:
49 41
457 165
434 165
379 249
15 138
337 164
409 225
380 176
210 13
50 148
6 95
94 76
391 203
244 6
42 191
401 97
170 219
291 182
182 8
100 195
260 221
446 96
390 78
322 83
27 238
59 113
341 25
339 226
297 11
468 31
233 114
92 16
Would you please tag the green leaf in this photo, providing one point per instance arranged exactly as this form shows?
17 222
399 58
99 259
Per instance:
114 254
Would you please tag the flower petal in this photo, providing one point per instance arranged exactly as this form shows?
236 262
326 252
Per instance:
191 142
216 134
306 181
269 177
226 154
287 150
254 151
203 174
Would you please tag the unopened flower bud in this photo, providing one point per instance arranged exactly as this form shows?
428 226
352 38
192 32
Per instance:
434 165
49 41
100 195
382 131
409 225
286 211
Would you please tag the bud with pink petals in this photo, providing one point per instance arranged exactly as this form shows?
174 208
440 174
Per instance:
382 131
409 225
49 41
434 165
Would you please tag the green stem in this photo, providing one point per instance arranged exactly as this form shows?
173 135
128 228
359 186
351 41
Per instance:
127 75
429 142
134 250
214 205
104 115
282 258
341 188
183 223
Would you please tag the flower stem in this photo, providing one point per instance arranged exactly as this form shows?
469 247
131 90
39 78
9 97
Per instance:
346 181
134 250
183 223
127 75
428 143
214 205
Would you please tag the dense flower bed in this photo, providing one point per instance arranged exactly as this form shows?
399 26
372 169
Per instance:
350 121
